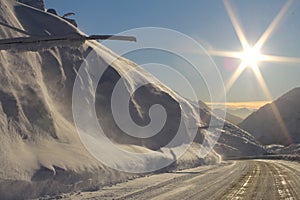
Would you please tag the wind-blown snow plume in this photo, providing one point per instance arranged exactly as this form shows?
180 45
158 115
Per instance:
40 150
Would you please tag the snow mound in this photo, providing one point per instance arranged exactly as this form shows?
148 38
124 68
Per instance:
235 142
280 149
40 151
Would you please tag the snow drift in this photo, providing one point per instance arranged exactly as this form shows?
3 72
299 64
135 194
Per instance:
40 151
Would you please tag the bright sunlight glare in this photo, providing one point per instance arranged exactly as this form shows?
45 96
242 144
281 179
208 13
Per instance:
250 57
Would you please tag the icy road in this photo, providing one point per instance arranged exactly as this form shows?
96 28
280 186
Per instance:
246 179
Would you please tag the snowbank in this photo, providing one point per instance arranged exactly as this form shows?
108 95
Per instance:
293 149
40 151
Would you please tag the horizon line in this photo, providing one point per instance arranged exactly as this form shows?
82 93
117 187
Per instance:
239 104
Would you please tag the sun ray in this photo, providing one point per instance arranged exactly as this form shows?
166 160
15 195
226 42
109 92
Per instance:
236 25
235 76
280 59
263 57
273 25
231 54
262 82
274 108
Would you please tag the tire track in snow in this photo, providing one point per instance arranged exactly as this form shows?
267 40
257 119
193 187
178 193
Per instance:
247 179
243 183
283 185
168 182
267 180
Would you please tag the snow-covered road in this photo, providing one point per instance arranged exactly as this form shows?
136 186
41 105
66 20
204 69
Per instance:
247 179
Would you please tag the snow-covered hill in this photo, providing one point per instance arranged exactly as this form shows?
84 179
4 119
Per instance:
40 151
278 122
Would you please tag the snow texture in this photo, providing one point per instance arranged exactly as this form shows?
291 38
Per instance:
40 151
293 149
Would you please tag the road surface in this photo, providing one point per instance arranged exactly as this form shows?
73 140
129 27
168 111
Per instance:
246 179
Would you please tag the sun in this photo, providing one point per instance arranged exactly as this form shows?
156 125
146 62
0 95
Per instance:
251 56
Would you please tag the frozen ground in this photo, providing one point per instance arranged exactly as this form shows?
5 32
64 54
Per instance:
249 179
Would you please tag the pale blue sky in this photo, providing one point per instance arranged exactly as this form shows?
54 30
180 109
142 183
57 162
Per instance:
207 22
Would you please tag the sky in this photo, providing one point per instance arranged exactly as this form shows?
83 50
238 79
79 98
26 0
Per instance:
207 22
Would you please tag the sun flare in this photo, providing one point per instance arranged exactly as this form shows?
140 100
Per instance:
251 57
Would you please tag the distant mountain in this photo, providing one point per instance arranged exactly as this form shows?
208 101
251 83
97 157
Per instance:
266 125
229 117
242 113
